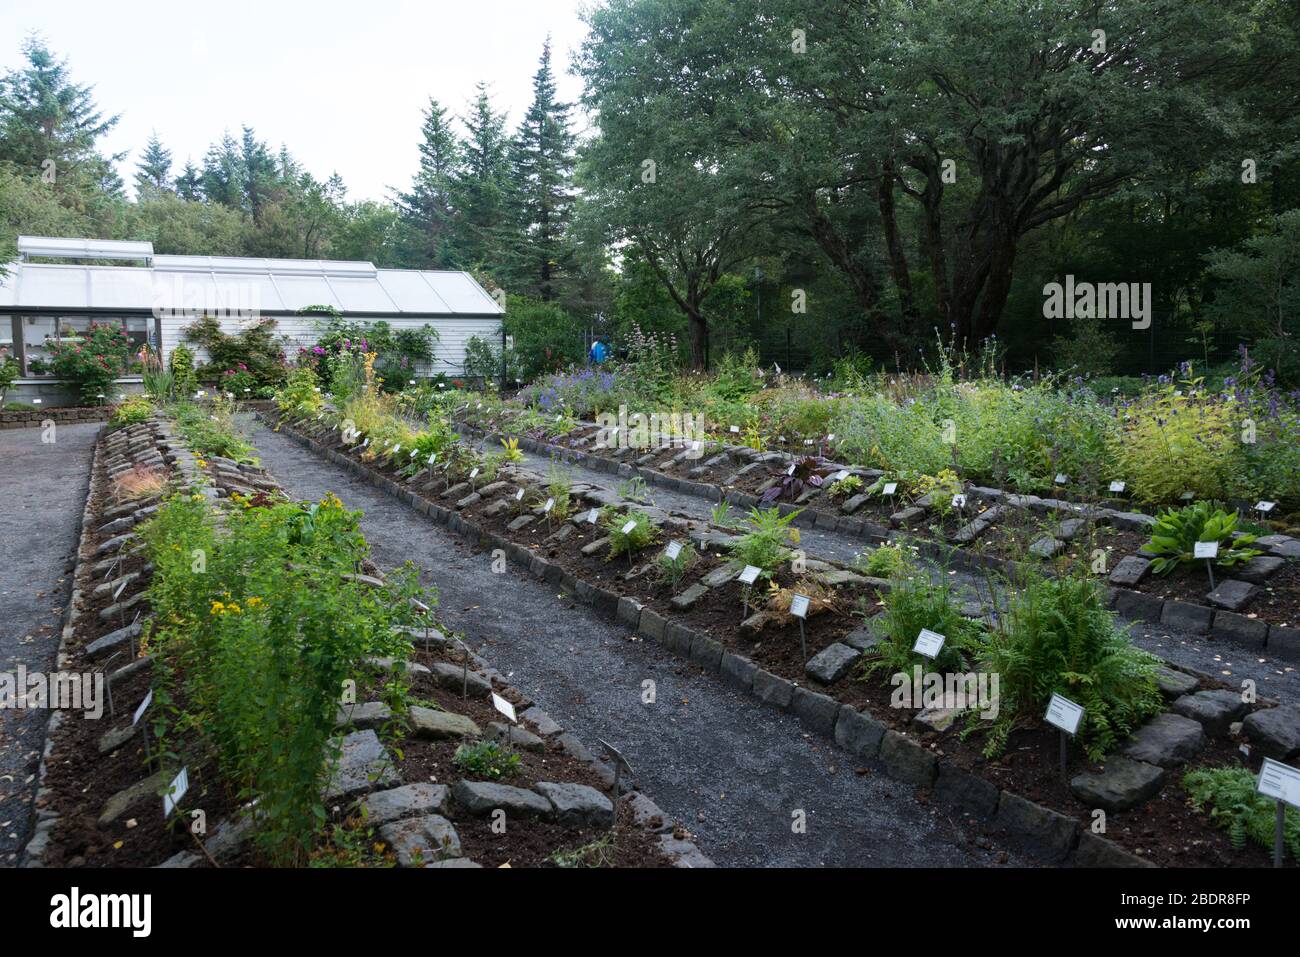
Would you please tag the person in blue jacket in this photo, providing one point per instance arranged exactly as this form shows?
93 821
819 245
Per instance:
599 351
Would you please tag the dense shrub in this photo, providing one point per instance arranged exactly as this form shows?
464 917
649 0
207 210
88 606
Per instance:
93 361
252 647
1056 636
255 349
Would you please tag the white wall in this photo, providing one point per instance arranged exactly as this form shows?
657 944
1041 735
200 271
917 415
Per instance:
449 350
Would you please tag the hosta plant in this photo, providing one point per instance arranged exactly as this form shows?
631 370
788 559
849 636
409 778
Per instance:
1177 531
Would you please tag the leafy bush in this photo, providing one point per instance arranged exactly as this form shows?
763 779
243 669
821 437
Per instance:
911 604
1056 636
766 545
1175 440
300 395
1177 531
1239 809
846 487
251 654
255 347
137 408
182 369
92 362
559 490
888 561
642 534
487 760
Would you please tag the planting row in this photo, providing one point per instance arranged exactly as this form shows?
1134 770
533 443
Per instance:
1164 754
275 699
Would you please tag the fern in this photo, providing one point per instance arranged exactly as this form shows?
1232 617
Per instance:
1238 808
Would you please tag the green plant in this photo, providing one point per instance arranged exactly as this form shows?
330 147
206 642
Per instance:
629 532
559 490
254 349
673 570
1177 531
182 369
9 370
766 545
486 759
158 382
1239 809
913 603
845 487
888 561
137 408
300 396
93 361
940 488
721 516
210 430
251 653
511 450
1055 635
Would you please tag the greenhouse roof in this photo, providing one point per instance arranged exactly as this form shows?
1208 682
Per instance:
196 283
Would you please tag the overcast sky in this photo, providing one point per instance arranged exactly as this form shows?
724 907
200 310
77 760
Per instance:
342 84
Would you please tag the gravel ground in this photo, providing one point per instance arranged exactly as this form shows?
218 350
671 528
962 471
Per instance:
43 491
731 770
1224 660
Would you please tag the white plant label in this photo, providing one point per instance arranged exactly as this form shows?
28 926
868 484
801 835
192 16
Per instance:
807 441
799 606
1279 781
433 457
1265 507
144 706
505 707
750 574
550 504
1205 550
397 448
1117 487
929 643
175 791
1187 496
734 429
831 437
519 496
1062 478
840 476
959 501
593 516
473 474
891 488
790 470
672 551
1064 714
627 529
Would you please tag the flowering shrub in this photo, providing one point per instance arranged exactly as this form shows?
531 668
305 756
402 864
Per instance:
251 654
92 363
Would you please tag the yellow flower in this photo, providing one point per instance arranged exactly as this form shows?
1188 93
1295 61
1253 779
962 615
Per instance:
217 608
233 608
253 602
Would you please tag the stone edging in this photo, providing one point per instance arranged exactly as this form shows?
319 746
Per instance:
34 853
1049 832
60 416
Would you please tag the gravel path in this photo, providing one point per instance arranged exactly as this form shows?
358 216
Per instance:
733 771
42 495
1225 660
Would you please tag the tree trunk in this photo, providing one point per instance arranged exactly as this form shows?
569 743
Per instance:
910 315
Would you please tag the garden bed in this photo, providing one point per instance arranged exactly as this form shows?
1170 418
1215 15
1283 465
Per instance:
99 806
1162 828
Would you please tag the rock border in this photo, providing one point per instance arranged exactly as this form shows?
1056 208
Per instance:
59 415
